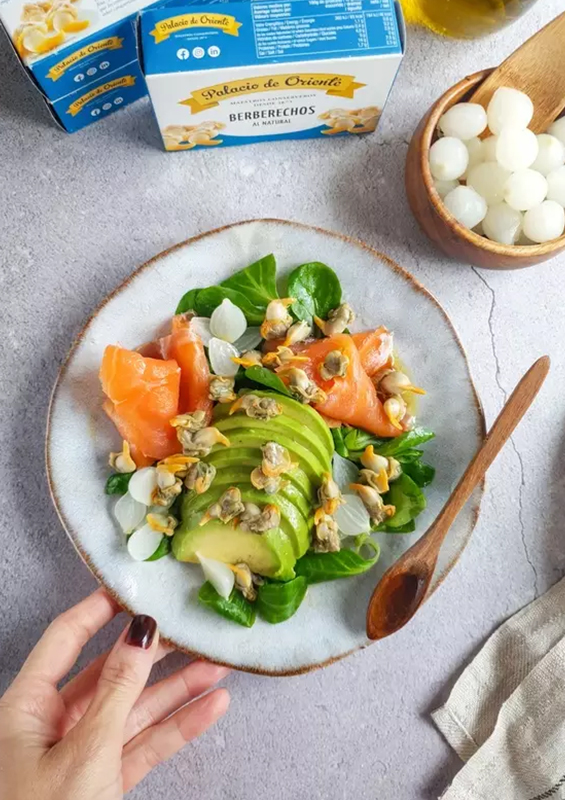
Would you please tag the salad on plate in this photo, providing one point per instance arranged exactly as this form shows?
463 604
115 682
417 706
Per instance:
264 441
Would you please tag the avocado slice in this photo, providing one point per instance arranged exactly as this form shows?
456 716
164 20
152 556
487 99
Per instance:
270 553
305 416
250 457
258 435
275 428
239 476
293 523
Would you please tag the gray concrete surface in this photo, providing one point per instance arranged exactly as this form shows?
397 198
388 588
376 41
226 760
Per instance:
77 214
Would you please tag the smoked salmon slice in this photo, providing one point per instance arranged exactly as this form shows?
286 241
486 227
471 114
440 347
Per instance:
353 398
375 349
187 349
143 396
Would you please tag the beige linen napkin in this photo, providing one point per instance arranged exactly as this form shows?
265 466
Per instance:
505 716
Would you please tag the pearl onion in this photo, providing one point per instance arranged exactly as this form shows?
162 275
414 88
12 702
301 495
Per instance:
444 187
502 224
544 222
489 148
466 205
525 189
551 154
509 107
516 148
556 186
557 129
464 121
448 158
488 180
475 150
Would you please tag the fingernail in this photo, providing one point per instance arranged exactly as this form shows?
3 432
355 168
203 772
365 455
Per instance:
141 631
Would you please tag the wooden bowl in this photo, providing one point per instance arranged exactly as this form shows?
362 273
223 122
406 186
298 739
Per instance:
427 206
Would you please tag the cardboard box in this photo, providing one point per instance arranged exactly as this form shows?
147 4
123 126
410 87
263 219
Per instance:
70 47
265 70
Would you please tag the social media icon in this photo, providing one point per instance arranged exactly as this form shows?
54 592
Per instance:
78 77
118 101
214 51
95 112
183 54
198 52
91 71
104 65
107 106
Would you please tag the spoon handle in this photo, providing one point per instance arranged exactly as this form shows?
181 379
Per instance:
515 408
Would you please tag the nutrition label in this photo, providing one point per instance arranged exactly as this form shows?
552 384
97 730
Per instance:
316 27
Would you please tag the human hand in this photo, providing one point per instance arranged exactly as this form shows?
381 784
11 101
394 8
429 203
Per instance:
103 731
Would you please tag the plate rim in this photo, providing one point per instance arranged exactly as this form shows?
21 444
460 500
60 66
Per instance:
72 535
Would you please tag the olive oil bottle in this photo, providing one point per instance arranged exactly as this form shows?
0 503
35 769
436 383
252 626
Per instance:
464 19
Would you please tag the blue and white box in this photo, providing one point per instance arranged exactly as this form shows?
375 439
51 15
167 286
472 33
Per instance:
264 70
69 47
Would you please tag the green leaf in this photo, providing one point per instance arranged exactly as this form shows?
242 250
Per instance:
318 567
408 499
163 550
357 440
316 290
277 602
410 527
209 299
410 456
188 301
236 608
117 483
258 281
265 377
339 444
421 474
406 441
251 289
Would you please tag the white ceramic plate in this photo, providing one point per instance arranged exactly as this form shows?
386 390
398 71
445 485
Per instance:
331 621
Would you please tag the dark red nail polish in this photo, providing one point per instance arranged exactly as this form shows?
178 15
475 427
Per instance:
141 631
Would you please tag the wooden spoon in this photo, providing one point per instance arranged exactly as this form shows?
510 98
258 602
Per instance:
536 68
403 587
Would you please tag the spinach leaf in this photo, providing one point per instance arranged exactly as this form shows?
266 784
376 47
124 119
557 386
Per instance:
117 482
265 377
251 289
318 567
258 281
339 444
410 456
421 474
316 290
356 440
163 550
406 441
209 299
410 527
188 301
236 608
277 602
408 499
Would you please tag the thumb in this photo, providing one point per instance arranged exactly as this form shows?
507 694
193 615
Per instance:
122 679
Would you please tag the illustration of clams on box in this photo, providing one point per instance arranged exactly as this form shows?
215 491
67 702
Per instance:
264 70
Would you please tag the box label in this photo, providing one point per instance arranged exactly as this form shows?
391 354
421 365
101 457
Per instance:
83 107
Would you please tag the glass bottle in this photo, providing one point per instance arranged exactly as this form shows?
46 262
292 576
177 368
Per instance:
464 19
